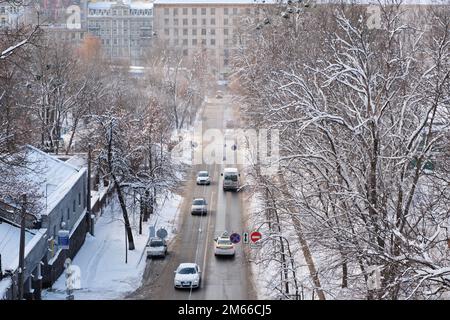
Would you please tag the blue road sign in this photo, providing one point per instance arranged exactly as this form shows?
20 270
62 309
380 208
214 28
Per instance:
63 239
235 238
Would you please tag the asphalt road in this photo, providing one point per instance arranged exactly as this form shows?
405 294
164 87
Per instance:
222 278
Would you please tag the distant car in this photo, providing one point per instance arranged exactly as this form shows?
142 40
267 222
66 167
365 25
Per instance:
187 275
223 246
199 206
203 177
219 95
156 247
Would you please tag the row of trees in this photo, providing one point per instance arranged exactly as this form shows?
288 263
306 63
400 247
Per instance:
363 112
64 98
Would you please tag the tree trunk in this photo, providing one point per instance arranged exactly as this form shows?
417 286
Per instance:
125 213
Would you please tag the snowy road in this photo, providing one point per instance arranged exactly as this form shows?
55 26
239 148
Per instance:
221 278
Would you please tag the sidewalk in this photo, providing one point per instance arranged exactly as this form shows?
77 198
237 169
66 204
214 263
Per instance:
104 273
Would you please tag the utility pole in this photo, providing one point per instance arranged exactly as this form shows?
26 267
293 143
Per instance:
88 200
22 247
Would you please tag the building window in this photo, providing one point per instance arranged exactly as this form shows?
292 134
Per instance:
212 31
166 11
68 215
213 21
213 42
194 10
235 10
225 10
175 22
185 11
79 199
204 41
185 22
225 32
203 32
203 22
74 206
185 32
175 11
175 42
203 11
185 52
194 22
225 42
212 11
225 22
185 42
194 42
166 32
175 32
166 22
194 32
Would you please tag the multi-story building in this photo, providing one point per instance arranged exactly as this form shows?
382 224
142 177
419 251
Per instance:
210 25
125 29
11 15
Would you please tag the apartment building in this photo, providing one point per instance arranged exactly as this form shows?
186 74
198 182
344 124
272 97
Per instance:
11 15
209 25
124 28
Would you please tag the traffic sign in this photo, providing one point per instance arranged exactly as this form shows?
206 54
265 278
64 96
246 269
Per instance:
161 233
245 237
235 238
255 236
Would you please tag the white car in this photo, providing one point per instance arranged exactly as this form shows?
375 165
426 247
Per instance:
203 177
199 206
187 275
223 246
157 247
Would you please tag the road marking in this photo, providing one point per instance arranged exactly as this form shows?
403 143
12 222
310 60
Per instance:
206 242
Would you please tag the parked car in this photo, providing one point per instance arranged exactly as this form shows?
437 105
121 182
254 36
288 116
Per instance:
219 94
199 206
203 177
223 246
187 275
156 247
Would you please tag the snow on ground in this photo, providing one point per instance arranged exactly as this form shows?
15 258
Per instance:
104 273
4 285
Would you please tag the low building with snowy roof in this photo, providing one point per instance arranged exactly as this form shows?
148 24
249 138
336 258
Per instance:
61 192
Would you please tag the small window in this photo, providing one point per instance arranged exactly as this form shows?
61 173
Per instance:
213 11
194 42
203 32
194 22
185 22
203 11
212 31
194 10
185 11
79 199
68 215
225 32
213 42
185 52
225 10
185 32
225 22
175 22
194 32
235 10
166 32
74 206
175 11
175 42
166 22
213 21
166 11
185 42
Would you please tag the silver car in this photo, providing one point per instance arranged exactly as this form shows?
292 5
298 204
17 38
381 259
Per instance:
157 247
199 206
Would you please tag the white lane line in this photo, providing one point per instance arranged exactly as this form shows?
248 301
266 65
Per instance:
206 242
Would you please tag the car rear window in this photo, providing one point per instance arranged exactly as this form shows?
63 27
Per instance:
203 174
156 243
224 242
199 202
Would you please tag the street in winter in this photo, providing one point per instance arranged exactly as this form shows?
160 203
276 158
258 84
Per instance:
245 150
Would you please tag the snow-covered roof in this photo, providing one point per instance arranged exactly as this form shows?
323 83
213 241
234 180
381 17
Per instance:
9 244
375 2
53 177
4 285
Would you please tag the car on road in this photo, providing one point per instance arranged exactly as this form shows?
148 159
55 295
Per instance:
187 275
219 94
199 206
223 246
156 247
230 179
203 177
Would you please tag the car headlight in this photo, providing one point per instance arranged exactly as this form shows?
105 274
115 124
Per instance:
177 282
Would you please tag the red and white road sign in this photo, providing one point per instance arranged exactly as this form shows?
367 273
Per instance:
255 236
